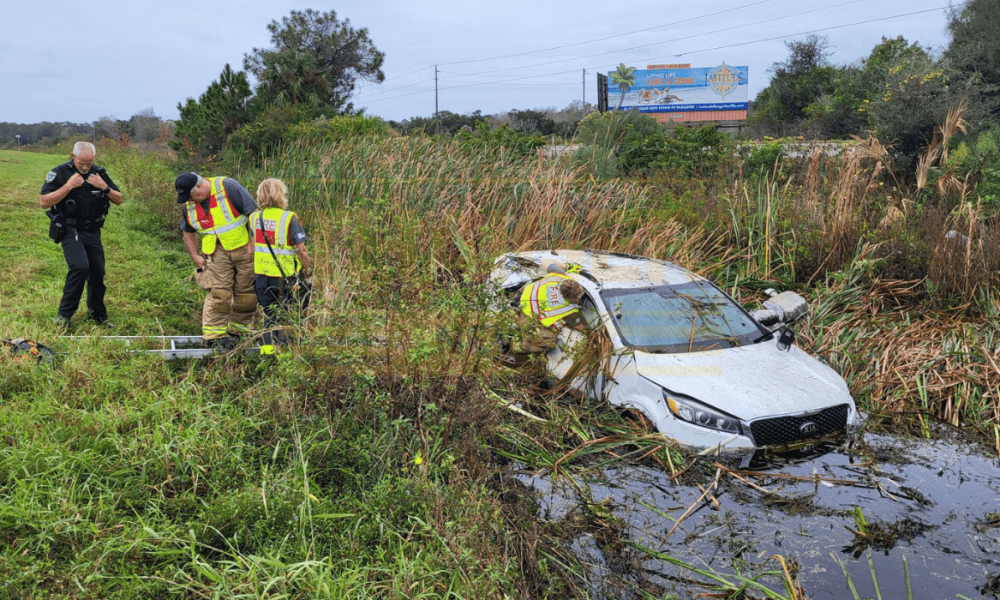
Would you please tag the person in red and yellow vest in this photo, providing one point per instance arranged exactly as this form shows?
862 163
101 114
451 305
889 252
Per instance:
281 261
217 209
545 306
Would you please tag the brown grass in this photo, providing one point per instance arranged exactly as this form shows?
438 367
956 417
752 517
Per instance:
410 231
858 178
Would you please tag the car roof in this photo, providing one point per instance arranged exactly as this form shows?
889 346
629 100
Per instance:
608 270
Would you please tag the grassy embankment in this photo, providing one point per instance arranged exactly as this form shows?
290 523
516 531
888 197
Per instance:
123 475
352 468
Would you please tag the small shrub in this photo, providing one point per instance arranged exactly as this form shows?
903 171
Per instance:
698 151
979 159
634 140
498 142
147 187
263 137
642 148
338 129
764 158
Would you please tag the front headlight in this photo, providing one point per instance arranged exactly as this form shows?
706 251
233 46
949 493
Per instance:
699 414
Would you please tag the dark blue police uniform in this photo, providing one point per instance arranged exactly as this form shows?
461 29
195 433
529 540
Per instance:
82 212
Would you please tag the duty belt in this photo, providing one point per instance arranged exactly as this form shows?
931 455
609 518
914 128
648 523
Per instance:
86 224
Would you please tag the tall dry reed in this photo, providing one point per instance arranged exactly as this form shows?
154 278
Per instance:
408 226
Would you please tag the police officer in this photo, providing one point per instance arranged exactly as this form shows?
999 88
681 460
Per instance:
77 195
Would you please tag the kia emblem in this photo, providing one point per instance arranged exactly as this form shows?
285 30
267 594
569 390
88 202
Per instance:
808 428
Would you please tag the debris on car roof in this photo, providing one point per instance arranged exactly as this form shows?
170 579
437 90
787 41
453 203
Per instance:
707 372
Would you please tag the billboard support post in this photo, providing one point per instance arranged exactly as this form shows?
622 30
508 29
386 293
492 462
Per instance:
602 92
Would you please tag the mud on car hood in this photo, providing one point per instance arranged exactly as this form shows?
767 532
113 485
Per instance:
748 382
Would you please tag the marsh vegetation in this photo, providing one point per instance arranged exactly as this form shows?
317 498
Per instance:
390 469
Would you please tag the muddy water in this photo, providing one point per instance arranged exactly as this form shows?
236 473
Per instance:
934 502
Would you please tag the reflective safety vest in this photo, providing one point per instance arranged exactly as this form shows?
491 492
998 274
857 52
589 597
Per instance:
221 223
542 300
273 223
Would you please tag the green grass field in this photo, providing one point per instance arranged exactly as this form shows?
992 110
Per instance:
125 476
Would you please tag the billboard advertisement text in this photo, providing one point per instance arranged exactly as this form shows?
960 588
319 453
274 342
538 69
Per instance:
682 90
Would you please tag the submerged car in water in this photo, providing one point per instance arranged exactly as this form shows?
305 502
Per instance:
708 374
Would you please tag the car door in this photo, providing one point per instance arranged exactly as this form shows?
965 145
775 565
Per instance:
560 360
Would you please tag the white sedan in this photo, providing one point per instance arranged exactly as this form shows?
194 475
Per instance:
706 372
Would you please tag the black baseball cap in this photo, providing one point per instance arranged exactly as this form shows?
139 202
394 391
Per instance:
184 183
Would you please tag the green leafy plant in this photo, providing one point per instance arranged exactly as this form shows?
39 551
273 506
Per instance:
499 142
764 159
860 523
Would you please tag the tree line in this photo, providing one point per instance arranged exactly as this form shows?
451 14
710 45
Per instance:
900 92
143 127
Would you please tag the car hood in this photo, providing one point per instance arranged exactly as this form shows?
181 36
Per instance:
750 381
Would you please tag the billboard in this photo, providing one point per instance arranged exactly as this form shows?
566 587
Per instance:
673 88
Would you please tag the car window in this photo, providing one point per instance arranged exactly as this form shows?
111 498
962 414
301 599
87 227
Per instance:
694 316
588 311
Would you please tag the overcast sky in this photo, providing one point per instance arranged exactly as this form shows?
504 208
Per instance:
80 61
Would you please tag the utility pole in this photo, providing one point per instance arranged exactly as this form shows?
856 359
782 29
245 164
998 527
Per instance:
437 124
584 90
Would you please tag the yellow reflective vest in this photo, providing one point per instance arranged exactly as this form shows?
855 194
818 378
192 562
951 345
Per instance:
542 300
221 224
273 223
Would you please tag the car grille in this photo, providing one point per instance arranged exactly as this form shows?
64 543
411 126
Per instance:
787 430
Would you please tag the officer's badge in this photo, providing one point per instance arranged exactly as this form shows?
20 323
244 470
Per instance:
50 177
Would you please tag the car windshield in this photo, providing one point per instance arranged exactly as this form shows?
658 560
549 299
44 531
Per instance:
690 317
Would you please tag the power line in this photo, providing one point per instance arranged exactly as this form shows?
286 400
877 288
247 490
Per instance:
460 62
518 84
624 49
863 22
407 75
572 45
909 14
439 71
374 100
399 88
457 87
621 50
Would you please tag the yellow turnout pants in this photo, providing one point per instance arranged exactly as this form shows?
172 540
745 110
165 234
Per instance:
231 302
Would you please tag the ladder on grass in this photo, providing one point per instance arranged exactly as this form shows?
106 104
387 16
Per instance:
172 346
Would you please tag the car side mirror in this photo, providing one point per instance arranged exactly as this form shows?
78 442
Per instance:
786 339
767 318
788 306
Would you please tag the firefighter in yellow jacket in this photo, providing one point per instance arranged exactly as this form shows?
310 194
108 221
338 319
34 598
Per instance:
217 209
281 261
545 306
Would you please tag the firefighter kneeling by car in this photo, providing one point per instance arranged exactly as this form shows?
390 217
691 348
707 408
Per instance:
545 306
